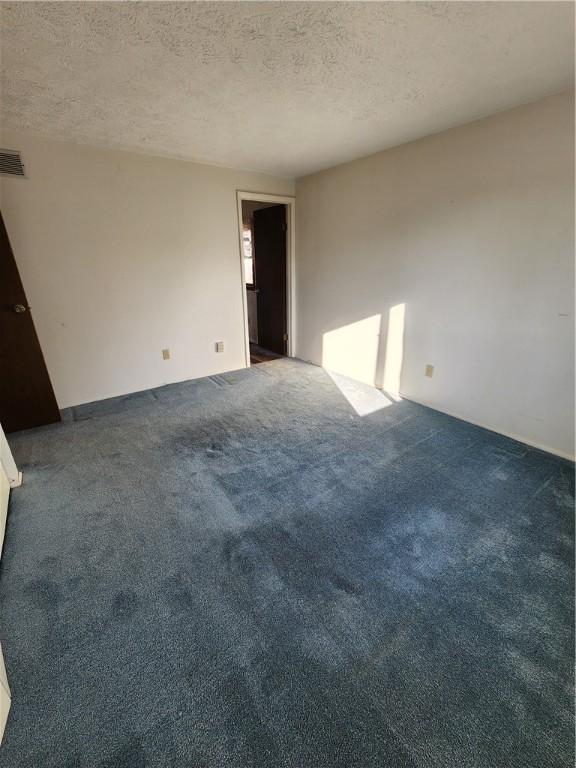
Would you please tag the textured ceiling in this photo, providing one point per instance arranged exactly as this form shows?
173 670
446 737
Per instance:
287 88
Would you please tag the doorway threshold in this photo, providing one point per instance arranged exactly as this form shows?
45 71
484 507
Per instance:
261 355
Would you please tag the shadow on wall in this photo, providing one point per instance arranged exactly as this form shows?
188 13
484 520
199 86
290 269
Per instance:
355 355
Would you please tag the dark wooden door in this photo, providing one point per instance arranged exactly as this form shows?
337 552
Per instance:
26 395
270 258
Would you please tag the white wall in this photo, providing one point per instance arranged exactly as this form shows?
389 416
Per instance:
123 255
472 230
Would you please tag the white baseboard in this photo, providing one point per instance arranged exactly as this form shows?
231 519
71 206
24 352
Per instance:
492 428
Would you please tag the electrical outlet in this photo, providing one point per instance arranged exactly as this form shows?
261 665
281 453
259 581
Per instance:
166 354
429 371
219 346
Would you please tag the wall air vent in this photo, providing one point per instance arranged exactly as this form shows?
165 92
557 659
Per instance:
11 163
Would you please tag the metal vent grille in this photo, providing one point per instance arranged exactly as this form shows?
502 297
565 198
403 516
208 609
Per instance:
11 163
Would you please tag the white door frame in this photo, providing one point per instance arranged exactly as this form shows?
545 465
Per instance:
290 203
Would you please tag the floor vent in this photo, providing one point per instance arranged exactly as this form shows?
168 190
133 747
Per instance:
11 163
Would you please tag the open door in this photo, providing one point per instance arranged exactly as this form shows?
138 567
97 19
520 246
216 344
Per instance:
4 689
9 477
4 695
26 394
270 257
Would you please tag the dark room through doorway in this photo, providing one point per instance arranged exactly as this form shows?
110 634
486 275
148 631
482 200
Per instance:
264 229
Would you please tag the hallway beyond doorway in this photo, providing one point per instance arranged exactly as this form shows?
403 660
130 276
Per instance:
261 355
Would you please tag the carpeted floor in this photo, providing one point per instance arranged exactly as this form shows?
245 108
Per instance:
241 571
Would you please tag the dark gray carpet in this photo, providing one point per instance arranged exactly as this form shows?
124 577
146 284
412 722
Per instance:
240 571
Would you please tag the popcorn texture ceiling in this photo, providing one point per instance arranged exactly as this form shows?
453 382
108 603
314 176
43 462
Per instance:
286 88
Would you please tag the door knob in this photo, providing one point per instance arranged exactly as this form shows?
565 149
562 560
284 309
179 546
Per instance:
19 308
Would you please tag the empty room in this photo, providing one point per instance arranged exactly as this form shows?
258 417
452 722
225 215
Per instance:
287 379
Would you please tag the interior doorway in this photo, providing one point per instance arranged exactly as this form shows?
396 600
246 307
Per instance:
266 272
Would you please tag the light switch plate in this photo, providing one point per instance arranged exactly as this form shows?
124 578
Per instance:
429 371
166 354
219 346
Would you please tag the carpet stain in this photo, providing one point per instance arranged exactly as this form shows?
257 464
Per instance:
344 585
178 594
43 593
125 605
130 755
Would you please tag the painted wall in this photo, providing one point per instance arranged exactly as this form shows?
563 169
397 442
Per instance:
123 255
465 239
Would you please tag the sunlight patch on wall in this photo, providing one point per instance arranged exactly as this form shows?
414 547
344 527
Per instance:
364 398
394 351
352 350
